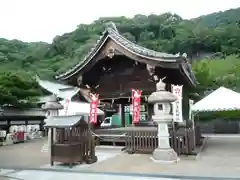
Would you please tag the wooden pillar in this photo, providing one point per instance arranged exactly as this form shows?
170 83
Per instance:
51 146
185 104
122 114
149 111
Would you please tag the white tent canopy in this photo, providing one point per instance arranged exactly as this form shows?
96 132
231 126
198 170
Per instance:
222 99
77 108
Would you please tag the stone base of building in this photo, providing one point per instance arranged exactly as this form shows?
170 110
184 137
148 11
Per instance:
166 156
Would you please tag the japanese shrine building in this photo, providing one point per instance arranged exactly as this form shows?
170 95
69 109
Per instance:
115 66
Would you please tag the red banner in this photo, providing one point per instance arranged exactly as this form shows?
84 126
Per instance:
93 108
136 101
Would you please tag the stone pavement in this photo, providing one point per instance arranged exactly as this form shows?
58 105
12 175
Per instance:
35 154
26 154
221 158
102 156
51 175
62 175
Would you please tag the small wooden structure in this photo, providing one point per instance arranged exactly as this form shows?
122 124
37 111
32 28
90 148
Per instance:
74 142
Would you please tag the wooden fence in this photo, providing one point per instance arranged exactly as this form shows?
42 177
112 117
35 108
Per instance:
145 140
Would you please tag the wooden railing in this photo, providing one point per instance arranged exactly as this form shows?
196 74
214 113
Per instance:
141 140
182 141
144 140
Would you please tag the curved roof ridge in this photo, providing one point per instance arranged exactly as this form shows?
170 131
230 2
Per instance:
152 53
112 25
94 47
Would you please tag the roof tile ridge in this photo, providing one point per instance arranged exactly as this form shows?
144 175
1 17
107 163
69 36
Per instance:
113 33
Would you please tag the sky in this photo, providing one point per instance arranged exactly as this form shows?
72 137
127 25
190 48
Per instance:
42 20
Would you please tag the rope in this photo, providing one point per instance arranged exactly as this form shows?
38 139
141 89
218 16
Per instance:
99 136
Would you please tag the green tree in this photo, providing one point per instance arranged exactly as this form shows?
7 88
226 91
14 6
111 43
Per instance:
18 90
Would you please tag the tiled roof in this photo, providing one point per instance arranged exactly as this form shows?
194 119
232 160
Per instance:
111 32
140 49
60 90
63 121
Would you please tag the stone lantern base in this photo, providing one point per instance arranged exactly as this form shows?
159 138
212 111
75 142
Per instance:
167 156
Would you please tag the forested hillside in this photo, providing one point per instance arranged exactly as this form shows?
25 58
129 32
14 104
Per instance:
225 17
215 36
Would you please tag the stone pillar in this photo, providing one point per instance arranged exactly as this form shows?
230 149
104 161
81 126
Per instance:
161 99
52 107
52 113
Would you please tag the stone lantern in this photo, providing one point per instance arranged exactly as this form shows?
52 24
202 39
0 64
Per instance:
51 107
161 99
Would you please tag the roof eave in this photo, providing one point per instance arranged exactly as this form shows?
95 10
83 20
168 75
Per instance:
110 33
88 57
76 70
